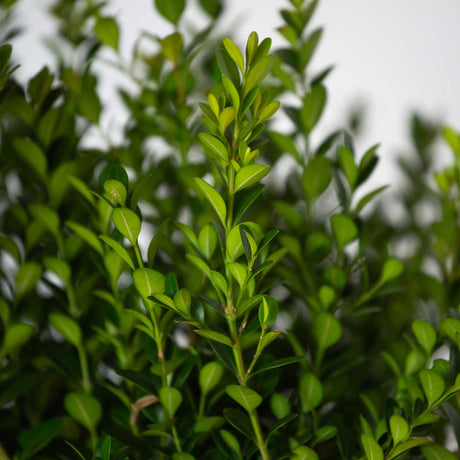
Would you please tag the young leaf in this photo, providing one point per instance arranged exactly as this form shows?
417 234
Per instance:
116 190
310 392
171 398
207 240
106 30
127 223
67 327
213 198
148 282
210 376
215 145
257 73
86 235
248 399
119 249
59 267
425 334
433 385
344 229
399 429
31 153
85 409
372 449
327 330
215 336
304 453
250 175
234 53
392 268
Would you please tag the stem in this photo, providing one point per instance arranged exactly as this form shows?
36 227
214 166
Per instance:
259 436
138 256
84 368
176 438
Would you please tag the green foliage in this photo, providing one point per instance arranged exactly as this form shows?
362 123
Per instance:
185 305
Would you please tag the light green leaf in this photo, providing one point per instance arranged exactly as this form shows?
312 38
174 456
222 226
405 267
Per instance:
183 301
148 282
215 336
226 117
244 396
433 385
59 267
116 190
31 153
199 263
119 249
250 175
344 229
348 166
16 336
215 145
127 223
86 235
85 409
437 452
106 30
304 453
67 327
372 449
399 429
231 92
172 47
207 240
310 392
451 327
316 177
210 376
327 330
257 73
234 53
239 272
392 268
405 446
26 278
171 398
425 334
325 433
453 139
213 198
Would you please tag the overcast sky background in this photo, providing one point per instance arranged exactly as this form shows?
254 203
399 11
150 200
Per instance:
394 55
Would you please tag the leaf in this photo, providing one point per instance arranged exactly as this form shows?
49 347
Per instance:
183 301
325 433
276 363
392 268
344 229
67 327
368 197
327 330
437 452
399 429
119 249
156 242
215 336
312 108
32 154
127 223
257 73
35 439
453 139
86 235
215 145
280 406
310 392
372 449
240 421
5 56
116 190
208 424
250 175
425 334
210 376
59 267
173 46
171 398
239 272
244 396
304 453
46 216
231 92
348 166
316 177
106 448
170 9
106 30
26 278
148 282
234 53
451 327
85 409
212 7
16 336
410 444
433 385
207 240
213 198
201 264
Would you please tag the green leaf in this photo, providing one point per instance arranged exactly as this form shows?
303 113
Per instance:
172 47
372 449
215 145
127 223
257 73
309 48
67 327
148 282
239 420
210 376
201 264
5 56
399 429
344 229
16 336
156 242
106 448
85 409
248 399
250 175
348 166
234 53
405 446
231 92
171 398
392 268
183 301
310 392
316 177
208 424
215 336
35 439
86 235
116 190
327 330
212 7
170 9
453 139
312 108
46 216
106 30
433 385
304 453
239 272
425 334
207 240
451 327
26 278
279 405
437 452
368 197
32 154
59 183
59 267
213 198
325 433
119 249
